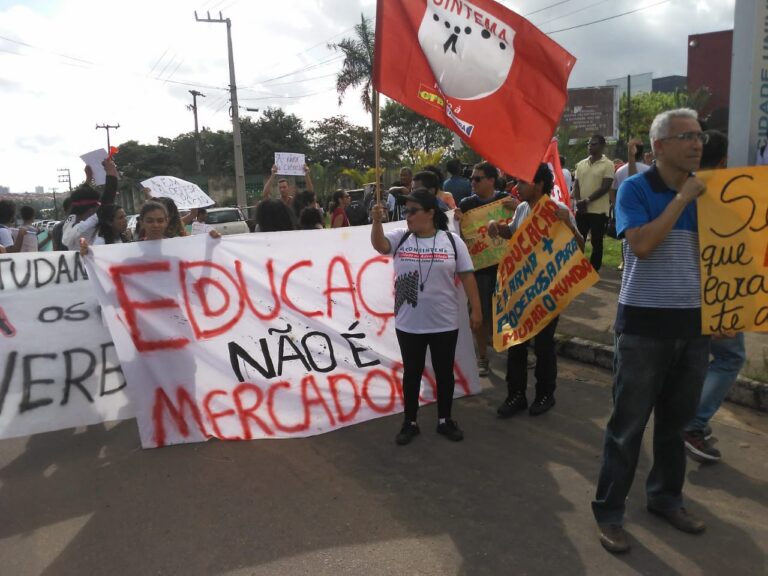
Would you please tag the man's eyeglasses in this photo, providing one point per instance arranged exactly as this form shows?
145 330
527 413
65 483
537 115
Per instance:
477 178
410 211
702 137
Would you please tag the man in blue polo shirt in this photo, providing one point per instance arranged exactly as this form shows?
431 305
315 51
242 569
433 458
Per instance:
660 355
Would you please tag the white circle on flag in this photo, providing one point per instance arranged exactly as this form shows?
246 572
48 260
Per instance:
470 53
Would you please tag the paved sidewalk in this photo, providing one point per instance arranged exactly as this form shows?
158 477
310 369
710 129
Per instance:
590 318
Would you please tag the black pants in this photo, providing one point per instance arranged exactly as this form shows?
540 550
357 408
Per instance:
594 224
546 363
442 350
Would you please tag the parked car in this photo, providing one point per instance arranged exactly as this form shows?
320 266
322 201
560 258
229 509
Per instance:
227 220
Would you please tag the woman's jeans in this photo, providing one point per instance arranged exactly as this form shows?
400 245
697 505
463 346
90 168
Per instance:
728 357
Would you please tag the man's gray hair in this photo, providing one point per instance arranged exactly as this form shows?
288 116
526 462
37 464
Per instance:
660 125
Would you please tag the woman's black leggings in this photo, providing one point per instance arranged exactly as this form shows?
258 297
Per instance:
413 349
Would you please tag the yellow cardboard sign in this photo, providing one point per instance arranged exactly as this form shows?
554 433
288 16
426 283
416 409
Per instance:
542 271
733 244
484 250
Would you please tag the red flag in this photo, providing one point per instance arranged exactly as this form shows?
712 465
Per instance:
560 192
112 151
479 69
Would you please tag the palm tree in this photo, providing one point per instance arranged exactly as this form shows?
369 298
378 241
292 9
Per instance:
357 69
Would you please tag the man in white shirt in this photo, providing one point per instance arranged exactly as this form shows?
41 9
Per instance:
633 166
566 174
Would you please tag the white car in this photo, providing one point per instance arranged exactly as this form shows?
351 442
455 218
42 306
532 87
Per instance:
226 220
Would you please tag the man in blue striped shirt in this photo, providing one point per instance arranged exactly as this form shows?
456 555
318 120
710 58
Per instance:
660 355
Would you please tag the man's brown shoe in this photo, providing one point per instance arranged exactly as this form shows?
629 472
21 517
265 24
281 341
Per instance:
681 519
613 538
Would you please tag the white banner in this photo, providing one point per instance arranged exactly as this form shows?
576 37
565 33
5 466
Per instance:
58 366
290 163
186 195
255 336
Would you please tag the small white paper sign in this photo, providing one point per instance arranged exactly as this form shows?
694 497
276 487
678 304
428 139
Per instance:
94 158
186 195
200 228
290 164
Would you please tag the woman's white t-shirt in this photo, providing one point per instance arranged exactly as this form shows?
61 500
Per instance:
426 282
99 241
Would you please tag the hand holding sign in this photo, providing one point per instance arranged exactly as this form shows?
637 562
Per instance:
186 195
290 164
94 160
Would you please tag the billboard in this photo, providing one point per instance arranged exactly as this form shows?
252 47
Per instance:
592 111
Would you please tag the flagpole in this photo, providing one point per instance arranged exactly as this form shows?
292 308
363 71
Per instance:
377 144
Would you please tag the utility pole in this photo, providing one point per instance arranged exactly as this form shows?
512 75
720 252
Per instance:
107 128
55 206
239 169
64 176
629 111
193 107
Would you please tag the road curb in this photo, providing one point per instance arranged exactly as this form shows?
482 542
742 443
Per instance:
745 391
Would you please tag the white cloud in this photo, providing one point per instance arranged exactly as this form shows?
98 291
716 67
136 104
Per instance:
91 63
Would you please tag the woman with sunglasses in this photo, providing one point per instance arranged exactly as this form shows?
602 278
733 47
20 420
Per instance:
427 259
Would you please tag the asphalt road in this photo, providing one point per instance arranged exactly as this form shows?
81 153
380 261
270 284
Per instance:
513 498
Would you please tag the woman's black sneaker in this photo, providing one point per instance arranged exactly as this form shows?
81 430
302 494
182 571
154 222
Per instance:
450 430
408 432
512 405
541 405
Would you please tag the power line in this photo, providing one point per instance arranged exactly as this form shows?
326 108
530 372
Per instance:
60 54
95 65
304 69
539 24
158 60
275 97
304 80
608 18
545 8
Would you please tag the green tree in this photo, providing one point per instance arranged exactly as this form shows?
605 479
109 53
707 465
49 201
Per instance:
274 131
357 68
408 133
337 142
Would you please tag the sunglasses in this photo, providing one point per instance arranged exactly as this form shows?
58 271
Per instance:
477 178
410 211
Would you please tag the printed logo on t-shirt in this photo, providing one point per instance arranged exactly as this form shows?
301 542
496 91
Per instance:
407 290
412 254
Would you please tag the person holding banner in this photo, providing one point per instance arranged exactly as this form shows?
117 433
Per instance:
154 219
7 217
660 354
112 225
484 177
544 341
83 218
427 259
727 350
